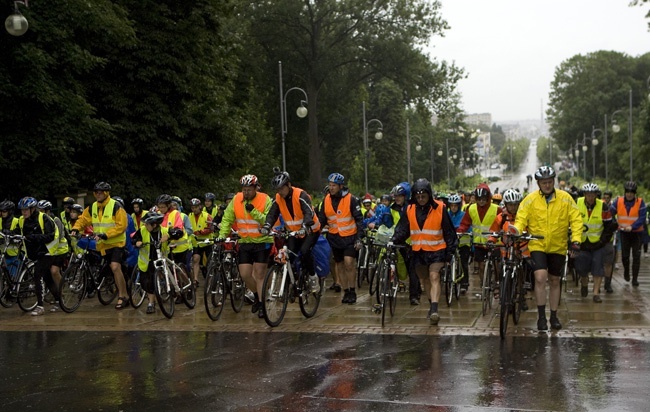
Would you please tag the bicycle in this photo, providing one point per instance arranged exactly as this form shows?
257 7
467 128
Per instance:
283 284
86 272
366 264
569 269
453 274
20 285
170 282
137 293
223 277
387 281
488 283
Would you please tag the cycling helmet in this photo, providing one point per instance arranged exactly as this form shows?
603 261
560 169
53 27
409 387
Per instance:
512 196
228 197
68 200
483 190
337 178
422 186
27 202
545 172
44 205
153 218
248 180
195 202
454 199
497 197
137 201
630 186
385 197
280 178
608 193
77 208
118 200
590 187
165 198
210 196
175 233
7 205
102 186
403 189
177 200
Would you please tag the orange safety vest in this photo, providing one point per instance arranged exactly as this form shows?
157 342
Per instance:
428 238
341 221
246 225
623 218
295 222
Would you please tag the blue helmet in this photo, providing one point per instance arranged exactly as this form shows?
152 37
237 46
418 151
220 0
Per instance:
27 202
337 178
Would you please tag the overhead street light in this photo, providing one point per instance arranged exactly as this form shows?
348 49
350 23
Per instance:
366 151
17 24
301 112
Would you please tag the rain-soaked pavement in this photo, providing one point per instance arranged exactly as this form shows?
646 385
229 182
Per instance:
342 359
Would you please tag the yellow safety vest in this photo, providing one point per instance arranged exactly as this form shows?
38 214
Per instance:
478 225
183 243
200 225
106 222
51 246
12 249
145 250
594 223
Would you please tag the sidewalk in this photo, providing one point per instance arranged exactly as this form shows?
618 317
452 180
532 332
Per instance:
622 314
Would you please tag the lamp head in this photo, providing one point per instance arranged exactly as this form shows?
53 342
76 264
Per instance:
301 112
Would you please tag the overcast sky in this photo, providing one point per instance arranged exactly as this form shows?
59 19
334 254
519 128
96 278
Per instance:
510 48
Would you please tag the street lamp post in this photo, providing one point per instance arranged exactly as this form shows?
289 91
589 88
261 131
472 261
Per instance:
301 112
366 150
511 163
17 24
594 143
616 128
448 161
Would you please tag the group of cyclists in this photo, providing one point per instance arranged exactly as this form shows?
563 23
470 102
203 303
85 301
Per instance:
433 225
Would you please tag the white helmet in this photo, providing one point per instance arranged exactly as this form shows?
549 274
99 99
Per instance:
454 198
512 196
590 187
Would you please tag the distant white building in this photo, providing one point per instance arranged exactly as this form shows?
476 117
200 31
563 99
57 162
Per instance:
476 119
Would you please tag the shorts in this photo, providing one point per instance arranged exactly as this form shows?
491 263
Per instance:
424 258
590 261
114 254
250 253
552 262
608 254
204 252
339 254
59 260
480 254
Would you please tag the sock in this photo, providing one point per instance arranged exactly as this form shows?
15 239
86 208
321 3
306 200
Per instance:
553 314
257 298
434 307
541 311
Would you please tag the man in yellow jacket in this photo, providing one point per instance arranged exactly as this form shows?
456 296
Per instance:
109 223
550 213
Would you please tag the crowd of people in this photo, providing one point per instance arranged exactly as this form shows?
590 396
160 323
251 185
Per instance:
581 225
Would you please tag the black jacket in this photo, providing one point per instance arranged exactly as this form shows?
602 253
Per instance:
35 238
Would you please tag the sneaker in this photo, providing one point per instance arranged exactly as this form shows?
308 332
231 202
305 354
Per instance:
54 307
249 297
597 299
415 302
257 306
542 326
584 291
38 311
260 313
314 284
151 308
337 288
555 323
352 297
434 318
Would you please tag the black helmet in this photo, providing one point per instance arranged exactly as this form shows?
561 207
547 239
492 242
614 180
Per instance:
280 179
608 193
630 186
118 200
421 186
385 197
165 198
175 233
102 186
137 201
210 196
153 218
68 200
195 202
545 172
228 197
7 205
77 208
177 200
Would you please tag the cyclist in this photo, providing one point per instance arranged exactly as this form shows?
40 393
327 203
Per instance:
201 222
550 213
608 251
152 231
433 240
464 243
8 224
294 205
342 212
173 221
401 193
58 252
598 231
630 212
177 204
386 199
109 221
138 212
41 237
131 252
65 213
248 210
367 207
209 205
75 211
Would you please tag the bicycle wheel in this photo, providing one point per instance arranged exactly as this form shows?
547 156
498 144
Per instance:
383 291
486 287
506 287
362 266
519 294
72 287
455 276
214 296
164 295
26 289
185 284
372 279
275 296
107 289
392 297
380 278
236 290
309 299
447 282
5 293
137 293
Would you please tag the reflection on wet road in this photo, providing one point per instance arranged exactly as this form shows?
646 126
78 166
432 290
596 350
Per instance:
294 371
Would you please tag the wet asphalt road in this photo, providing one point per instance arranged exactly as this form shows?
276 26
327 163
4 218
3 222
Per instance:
110 371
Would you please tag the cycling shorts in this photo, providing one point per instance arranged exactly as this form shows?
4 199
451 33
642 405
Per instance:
552 262
250 253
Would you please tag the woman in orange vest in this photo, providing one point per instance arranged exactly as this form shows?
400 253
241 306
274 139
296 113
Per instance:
433 240
341 212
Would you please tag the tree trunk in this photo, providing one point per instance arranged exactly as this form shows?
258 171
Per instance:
315 155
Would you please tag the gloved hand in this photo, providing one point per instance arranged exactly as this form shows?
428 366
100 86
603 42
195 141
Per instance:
102 236
575 246
264 230
390 244
74 232
358 244
223 206
249 207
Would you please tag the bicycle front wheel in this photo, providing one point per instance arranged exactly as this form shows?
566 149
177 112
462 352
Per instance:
383 291
136 293
237 290
5 294
448 283
309 299
72 287
519 295
164 296
275 296
455 276
107 290
185 284
214 295
486 287
506 287
26 289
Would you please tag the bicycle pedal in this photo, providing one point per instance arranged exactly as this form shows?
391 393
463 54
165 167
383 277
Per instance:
376 308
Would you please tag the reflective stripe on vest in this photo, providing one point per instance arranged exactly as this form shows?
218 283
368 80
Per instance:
627 220
341 220
594 222
295 222
428 238
479 226
246 225
106 222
